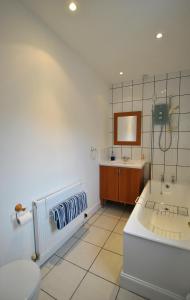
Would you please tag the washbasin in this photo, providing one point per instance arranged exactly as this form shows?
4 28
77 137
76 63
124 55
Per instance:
130 163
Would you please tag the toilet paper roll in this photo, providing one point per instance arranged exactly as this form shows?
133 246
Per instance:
24 218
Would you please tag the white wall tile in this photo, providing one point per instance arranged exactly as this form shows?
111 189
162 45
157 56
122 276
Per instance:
184 122
126 151
173 87
185 103
174 118
117 107
136 153
185 85
160 88
138 80
137 105
174 139
127 93
117 95
146 139
158 156
160 77
170 171
183 174
147 123
148 90
127 106
127 82
185 73
137 92
175 102
158 171
147 107
147 154
184 140
117 152
173 74
148 78
171 157
184 157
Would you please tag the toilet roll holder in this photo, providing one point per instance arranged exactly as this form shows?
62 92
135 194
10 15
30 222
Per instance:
19 208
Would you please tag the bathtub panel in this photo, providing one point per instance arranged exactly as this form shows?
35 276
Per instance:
161 265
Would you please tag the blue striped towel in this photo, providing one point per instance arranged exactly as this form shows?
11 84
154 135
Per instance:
65 212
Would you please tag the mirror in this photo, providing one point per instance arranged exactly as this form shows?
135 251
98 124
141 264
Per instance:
127 128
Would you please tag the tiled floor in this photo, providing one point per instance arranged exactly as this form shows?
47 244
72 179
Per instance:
88 266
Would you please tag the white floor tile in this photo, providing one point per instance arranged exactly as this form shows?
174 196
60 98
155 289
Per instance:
96 236
115 243
65 248
120 226
106 222
44 296
82 254
62 281
100 210
126 295
49 265
93 219
95 288
108 265
113 212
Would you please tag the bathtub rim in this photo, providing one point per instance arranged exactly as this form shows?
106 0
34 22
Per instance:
134 228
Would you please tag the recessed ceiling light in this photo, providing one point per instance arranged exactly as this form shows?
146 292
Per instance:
159 35
121 73
73 6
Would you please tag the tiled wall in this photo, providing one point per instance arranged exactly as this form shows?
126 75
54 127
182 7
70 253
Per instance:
136 95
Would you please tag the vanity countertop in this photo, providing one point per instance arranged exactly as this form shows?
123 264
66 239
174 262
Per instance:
131 163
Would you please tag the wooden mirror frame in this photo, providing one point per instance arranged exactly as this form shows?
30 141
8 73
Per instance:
138 131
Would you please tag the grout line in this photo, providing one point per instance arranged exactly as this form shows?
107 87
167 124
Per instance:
78 286
48 294
88 270
177 159
117 293
117 284
101 248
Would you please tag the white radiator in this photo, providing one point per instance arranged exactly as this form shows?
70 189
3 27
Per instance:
47 238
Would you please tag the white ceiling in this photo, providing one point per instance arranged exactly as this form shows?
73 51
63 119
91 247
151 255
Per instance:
119 35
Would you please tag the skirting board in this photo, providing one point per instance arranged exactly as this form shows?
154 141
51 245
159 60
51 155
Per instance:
146 289
71 229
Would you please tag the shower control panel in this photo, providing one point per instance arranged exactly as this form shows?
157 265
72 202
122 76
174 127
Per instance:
160 115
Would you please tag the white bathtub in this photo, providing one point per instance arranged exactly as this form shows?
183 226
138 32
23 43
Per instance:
157 243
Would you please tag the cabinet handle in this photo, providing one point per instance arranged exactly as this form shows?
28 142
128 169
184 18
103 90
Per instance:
118 171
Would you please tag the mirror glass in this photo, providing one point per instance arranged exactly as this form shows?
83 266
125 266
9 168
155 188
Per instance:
127 128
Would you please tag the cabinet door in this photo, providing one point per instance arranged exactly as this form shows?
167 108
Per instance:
130 184
108 183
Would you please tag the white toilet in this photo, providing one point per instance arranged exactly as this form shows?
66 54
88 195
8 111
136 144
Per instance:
20 280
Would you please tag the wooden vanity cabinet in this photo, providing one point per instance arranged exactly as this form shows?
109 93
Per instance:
120 184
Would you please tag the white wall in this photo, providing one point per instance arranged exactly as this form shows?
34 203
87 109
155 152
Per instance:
52 110
136 95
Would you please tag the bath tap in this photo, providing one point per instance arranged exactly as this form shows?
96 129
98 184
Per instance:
173 180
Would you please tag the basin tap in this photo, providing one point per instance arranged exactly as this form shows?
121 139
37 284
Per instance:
125 158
